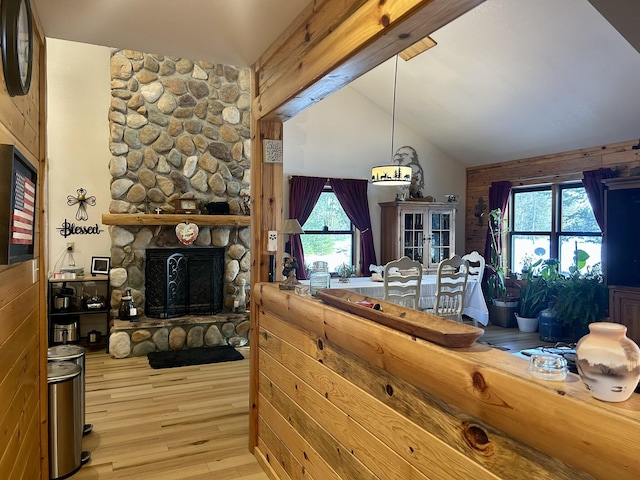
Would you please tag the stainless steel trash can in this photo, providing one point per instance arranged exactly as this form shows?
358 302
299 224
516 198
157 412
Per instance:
77 355
65 437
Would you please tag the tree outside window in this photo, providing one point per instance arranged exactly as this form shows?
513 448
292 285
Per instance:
552 222
328 234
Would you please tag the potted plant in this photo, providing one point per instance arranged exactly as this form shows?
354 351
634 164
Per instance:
501 306
534 295
582 298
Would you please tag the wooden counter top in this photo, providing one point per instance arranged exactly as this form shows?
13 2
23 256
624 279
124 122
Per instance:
347 384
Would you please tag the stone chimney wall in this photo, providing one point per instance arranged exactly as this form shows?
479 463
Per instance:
178 129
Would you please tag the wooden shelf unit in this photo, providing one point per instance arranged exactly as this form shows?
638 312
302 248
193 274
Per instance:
174 219
74 314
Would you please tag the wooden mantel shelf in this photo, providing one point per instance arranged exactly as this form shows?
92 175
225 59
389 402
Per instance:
174 219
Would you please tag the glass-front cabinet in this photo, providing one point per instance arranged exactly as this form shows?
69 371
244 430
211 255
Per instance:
423 231
413 235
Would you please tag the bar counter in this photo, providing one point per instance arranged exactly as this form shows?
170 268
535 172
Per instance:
338 396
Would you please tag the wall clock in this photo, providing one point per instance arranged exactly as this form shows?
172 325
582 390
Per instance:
16 24
186 205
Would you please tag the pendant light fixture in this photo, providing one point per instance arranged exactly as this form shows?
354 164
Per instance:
392 174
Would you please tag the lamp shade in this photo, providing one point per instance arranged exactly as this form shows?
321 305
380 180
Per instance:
291 226
391 175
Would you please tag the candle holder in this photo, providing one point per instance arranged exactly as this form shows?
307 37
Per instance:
345 271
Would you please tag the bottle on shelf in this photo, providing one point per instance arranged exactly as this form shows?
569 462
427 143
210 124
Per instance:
127 309
241 299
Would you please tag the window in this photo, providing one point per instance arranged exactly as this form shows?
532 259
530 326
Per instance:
328 233
552 222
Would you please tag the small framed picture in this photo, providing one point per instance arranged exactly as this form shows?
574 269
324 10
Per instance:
100 265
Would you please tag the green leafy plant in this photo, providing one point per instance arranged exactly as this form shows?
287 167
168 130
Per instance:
534 293
496 282
549 270
582 297
346 271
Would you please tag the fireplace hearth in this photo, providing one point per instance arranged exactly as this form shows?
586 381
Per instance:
183 281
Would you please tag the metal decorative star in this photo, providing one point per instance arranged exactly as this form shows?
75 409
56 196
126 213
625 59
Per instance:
82 201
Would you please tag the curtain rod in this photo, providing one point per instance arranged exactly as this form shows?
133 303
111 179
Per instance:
326 179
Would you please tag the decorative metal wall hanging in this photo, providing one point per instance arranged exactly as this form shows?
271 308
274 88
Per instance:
479 211
82 201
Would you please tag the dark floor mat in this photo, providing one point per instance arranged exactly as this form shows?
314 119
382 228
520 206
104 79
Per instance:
193 356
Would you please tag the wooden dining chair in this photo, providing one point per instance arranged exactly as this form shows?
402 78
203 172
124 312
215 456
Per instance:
402 282
451 281
476 270
476 265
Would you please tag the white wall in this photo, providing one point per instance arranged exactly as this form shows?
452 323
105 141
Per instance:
345 135
78 99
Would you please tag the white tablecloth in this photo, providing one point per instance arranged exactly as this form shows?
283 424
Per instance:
474 304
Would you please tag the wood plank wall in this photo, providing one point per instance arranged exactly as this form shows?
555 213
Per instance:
341 397
553 168
23 337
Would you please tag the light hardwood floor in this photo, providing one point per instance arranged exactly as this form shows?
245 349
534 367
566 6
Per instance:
186 423
510 340
167 424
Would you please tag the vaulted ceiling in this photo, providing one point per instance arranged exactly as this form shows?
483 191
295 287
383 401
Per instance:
510 79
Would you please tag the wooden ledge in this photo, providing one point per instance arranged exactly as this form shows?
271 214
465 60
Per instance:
174 219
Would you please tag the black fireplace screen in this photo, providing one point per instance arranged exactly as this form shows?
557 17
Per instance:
183 281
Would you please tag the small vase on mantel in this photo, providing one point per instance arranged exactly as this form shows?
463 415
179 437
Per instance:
608 362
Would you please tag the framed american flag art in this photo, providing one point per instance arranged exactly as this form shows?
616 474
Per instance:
18 180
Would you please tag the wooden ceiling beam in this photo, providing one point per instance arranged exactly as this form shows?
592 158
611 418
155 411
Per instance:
333 42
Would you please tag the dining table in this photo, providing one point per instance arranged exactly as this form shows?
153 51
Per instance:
474 304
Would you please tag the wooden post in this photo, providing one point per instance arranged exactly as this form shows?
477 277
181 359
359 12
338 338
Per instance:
266 215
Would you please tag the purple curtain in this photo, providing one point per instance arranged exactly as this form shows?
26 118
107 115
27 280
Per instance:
498 198
592 181
304 193
352 195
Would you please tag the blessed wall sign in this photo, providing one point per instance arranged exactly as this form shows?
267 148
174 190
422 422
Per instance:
68 228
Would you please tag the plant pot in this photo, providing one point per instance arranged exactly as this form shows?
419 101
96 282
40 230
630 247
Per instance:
527 324
574 331
506 302
503 316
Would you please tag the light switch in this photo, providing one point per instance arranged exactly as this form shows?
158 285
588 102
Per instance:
272 241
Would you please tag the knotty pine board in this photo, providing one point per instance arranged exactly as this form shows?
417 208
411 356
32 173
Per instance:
405 415
488 385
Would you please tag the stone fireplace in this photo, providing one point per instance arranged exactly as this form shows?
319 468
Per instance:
179 129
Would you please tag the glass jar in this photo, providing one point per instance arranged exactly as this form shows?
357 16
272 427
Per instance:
319 280
241 299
